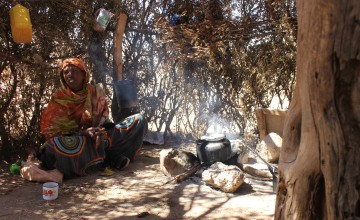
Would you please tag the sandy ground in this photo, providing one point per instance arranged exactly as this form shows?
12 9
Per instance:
137 192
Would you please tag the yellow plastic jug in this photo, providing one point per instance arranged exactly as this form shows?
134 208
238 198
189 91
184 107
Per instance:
20 23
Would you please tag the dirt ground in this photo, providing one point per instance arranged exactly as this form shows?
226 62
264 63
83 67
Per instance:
137 192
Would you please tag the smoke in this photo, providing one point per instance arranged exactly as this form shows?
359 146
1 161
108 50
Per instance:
216 123
220 125
98 57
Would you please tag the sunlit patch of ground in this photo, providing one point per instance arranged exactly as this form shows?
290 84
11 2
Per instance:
139 191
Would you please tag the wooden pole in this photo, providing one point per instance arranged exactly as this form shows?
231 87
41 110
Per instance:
118 39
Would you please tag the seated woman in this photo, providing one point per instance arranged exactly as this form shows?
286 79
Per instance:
79 133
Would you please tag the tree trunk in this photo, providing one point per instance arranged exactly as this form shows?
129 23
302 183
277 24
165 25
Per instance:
118 64
319 162
118 40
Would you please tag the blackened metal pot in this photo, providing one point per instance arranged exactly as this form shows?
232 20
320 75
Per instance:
210 152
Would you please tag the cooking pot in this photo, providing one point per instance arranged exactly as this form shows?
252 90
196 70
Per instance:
213 148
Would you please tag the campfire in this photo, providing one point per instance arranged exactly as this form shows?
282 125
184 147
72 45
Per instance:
222 163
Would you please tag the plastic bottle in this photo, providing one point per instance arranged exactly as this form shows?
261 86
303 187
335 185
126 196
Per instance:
20 23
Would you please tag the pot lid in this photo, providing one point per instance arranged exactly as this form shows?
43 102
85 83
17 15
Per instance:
213 137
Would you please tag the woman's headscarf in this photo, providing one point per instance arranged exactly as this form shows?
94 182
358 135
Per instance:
79 64
68 112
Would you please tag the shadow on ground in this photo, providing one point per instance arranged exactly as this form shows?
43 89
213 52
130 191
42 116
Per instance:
137 192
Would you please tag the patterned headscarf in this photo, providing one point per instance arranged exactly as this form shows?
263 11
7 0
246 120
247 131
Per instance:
79 64
68 112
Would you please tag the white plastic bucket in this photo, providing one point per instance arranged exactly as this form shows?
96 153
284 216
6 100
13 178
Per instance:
50 190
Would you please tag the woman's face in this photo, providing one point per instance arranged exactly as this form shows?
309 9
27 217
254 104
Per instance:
74 77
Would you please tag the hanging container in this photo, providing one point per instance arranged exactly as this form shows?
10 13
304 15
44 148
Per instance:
102 19
21 28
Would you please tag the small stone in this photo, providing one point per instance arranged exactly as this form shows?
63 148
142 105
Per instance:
269 147
174 162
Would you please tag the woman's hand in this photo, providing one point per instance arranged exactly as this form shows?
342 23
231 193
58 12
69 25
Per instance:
95 132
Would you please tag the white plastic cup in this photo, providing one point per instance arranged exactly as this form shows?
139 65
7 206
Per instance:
50 190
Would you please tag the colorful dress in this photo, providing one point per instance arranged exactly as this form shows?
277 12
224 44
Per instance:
68 113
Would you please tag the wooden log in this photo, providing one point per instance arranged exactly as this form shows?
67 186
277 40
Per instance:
261 173
181 177
118 39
